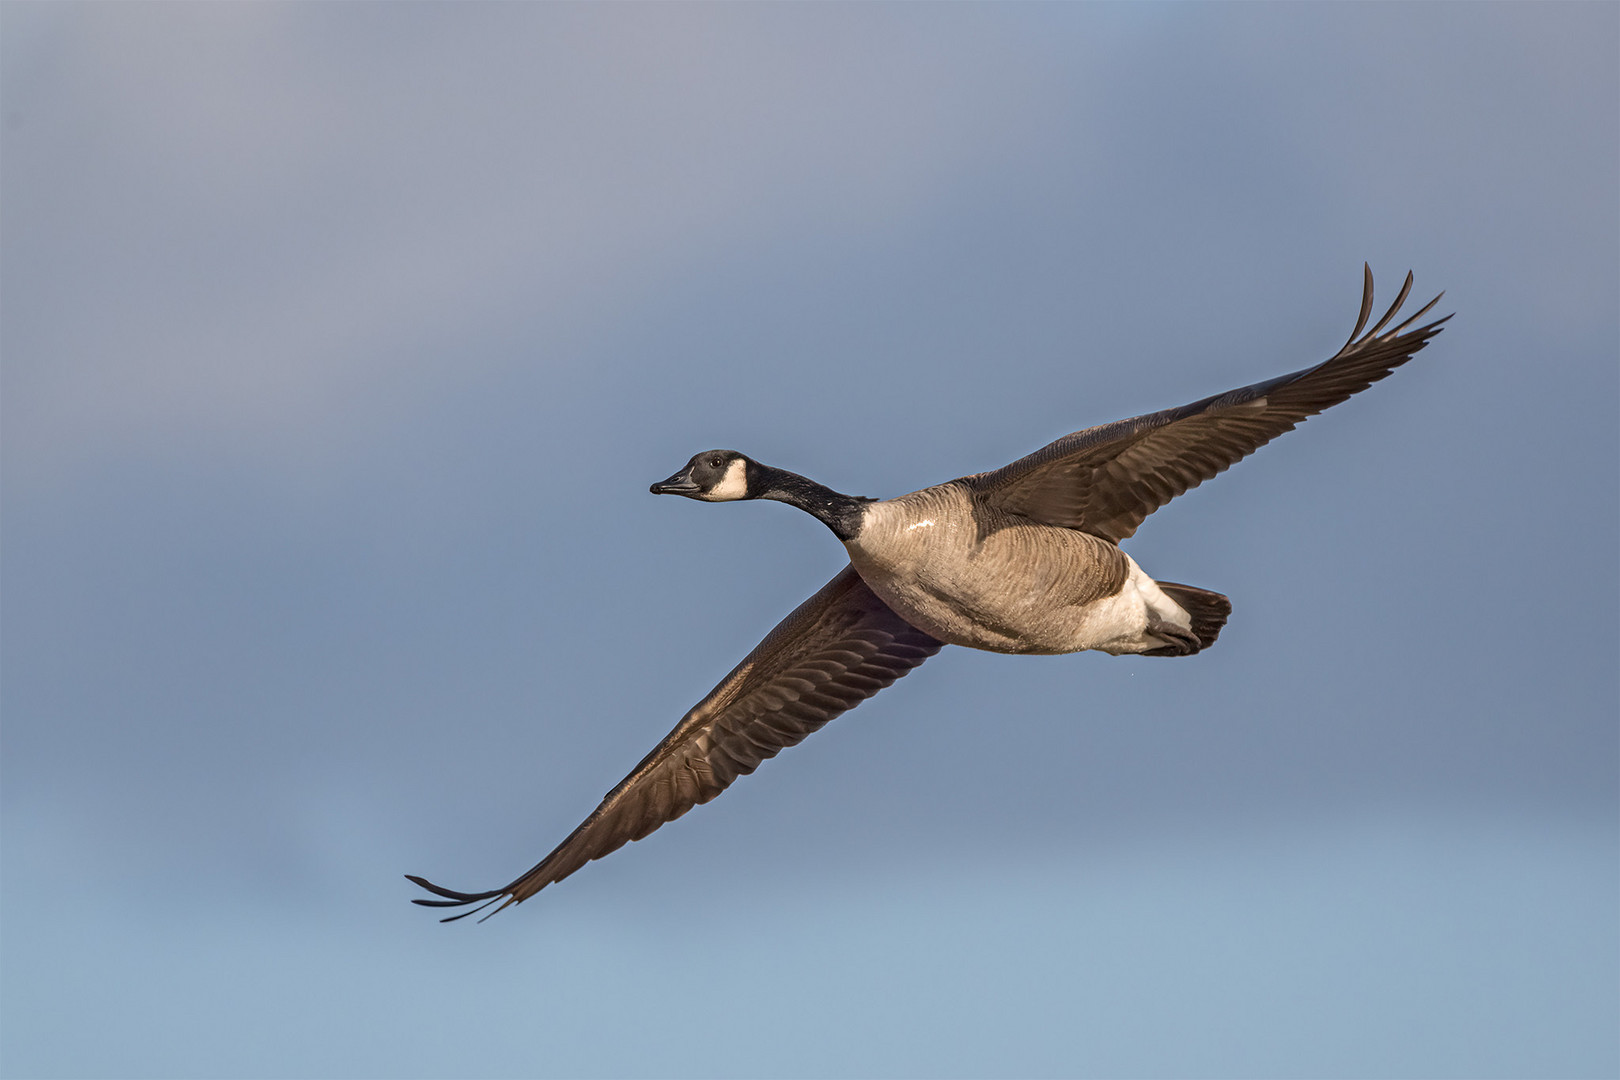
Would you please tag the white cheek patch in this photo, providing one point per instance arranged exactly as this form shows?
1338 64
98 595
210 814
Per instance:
733 486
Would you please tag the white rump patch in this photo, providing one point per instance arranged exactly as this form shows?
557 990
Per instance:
733 486
1155 599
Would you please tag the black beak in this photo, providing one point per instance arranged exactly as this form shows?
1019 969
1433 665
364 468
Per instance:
679 484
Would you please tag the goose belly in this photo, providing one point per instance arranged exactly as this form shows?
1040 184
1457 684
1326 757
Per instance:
1022 588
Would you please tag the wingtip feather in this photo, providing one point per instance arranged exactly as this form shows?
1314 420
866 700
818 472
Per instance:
451 894
1418 314
1406 287
1366 303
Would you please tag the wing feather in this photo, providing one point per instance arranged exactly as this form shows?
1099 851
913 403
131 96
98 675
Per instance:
1106 480
833 652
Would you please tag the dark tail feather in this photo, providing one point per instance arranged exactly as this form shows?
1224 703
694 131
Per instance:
1208 610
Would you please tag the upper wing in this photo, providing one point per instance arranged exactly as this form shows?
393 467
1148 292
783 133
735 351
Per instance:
1105 480
837 649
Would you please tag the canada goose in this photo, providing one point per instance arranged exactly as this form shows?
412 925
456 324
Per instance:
1024 559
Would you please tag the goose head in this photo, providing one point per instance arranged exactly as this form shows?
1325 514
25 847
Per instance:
727 476
713 476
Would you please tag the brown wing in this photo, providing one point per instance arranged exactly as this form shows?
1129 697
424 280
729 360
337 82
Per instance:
837 649
1105 480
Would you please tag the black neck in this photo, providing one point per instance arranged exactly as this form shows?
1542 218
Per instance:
840 513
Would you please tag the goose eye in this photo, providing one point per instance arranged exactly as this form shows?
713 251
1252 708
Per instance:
715 463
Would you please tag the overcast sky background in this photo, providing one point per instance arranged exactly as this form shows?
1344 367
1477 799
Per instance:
341 343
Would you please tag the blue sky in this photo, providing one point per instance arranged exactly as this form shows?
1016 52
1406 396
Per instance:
341 343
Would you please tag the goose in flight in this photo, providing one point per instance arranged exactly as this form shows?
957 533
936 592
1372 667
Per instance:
1024 559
